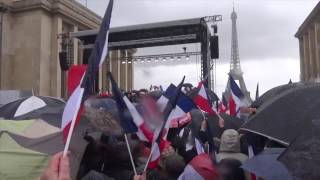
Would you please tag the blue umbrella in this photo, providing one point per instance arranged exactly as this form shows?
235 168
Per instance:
266 165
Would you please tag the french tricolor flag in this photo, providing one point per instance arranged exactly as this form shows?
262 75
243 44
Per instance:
200 167
184 105
236 99
73 108
173 104
130 119
203 101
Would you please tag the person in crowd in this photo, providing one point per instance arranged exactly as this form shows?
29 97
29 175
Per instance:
229 169
200 167
58 168
109 155
230 146
170 166
182 139
230 149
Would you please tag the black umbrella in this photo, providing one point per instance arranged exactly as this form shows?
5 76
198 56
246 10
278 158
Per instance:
270 94
283 117
49 109
230 122
266 165
302 157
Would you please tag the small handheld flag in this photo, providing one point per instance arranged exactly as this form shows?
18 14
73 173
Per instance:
71 113
236 99
159 134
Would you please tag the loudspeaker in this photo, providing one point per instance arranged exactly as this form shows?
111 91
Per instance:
215 29
64 65
86 55
214 47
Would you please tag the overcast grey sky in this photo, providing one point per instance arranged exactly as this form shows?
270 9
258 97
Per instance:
268 49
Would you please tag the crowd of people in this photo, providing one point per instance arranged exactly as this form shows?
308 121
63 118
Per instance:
221 156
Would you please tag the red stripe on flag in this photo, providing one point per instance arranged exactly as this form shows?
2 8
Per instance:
154 164
181 121
253 177
232 106
163 145
203 104
204 166
75 74
146 132
222 108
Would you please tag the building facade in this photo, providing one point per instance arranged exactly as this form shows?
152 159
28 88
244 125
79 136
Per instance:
121 66
309 44
31 39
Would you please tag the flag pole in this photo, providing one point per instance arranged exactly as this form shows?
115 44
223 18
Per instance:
74 118
130 154
204 118
149 158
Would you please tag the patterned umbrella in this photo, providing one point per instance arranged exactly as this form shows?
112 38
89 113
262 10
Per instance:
49 109
27 145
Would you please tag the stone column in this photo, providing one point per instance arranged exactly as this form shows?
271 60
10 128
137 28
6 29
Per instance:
45 54
317 46
75 47
106 67
7 52
130 72
312 58
115 64
103 75
306 57
302 63
55 70
123 70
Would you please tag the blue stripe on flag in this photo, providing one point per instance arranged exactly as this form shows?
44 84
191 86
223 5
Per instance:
184 102
126 120
100 45
235 88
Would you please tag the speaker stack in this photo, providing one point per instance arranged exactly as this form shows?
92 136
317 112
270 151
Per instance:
64 62
214 47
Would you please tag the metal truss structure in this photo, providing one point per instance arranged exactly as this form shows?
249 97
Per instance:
186 31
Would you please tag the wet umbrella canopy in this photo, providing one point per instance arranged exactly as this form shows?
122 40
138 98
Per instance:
266 165
302 157
272 93
49 109
282 118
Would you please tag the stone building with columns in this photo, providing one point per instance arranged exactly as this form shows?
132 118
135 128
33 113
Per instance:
121 66
309 43
30 42
120 60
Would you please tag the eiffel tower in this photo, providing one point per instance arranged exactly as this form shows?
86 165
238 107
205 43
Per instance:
235 68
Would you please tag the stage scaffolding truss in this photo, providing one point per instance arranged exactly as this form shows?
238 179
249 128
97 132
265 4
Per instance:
196 30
